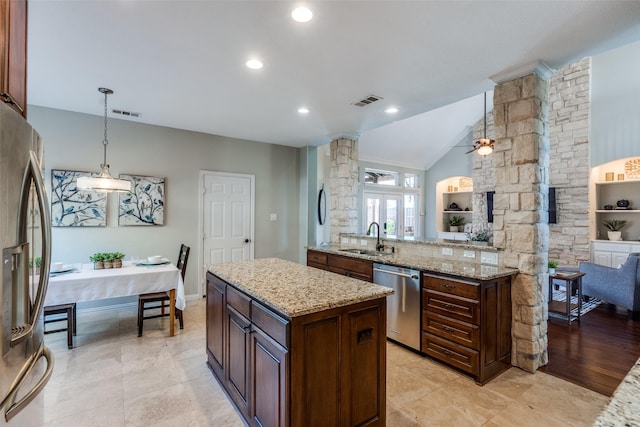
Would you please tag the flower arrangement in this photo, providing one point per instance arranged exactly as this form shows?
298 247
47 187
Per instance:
482 235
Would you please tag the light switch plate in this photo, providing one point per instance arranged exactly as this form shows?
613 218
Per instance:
273 217
447 251
469 254
344 240
363 242
489 257
354 241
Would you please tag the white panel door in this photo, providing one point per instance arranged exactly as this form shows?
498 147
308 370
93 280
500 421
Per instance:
227 218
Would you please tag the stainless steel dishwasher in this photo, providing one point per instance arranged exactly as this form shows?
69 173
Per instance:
403 307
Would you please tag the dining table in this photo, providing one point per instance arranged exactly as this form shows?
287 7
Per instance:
81 283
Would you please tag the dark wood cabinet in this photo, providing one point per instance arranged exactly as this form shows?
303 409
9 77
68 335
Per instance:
13 53
347 266
215 324
269 380
323 368
237 360
467 324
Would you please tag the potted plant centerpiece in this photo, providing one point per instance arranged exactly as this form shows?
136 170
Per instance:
614 226
117 259
552 264
455 222
98 260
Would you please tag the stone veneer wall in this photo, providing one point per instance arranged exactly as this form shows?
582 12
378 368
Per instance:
520 228
569 114
343 183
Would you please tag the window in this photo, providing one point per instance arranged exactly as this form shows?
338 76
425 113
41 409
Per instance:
392 200
380 177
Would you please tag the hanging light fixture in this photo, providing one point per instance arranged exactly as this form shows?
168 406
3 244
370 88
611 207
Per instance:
104 181
484 146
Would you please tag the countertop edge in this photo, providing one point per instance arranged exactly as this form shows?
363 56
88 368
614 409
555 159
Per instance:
316 307
398 260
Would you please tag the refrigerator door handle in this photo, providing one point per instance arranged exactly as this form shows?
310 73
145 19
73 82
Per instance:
33 171
15 407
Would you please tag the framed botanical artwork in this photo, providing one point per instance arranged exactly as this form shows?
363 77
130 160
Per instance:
71 207
144 205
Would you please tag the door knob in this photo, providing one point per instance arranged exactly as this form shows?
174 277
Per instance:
247 240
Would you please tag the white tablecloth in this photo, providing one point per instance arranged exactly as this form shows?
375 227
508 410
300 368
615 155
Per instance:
90 285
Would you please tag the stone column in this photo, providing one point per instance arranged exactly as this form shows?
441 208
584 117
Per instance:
521 229
343 187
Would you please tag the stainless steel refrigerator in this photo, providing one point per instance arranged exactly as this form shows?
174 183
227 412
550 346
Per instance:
25 233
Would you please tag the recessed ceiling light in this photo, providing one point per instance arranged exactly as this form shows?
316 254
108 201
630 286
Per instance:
303 110
391 110
301 14
254 64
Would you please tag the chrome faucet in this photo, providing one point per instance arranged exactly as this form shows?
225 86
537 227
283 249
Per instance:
379 246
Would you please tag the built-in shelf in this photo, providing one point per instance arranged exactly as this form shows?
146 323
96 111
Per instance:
609 193
462 198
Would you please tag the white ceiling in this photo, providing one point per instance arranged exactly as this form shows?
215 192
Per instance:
181 63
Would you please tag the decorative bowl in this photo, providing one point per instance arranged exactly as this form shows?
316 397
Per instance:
154 259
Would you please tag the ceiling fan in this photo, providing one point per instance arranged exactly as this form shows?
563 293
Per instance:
484 146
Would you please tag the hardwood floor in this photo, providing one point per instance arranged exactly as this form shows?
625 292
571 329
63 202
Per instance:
596 352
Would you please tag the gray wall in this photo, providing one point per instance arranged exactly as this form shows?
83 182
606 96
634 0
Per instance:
615 104
74 142
454 163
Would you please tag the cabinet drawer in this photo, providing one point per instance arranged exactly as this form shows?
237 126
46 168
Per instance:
454 330
451 353
451 306
239 301
272 324
454 287
362 267
316 257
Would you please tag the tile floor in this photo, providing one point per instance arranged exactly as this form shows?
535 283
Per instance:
113 378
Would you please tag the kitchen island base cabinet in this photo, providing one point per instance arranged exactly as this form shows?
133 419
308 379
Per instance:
323 368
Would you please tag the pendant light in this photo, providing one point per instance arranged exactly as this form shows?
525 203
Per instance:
484 146
104 181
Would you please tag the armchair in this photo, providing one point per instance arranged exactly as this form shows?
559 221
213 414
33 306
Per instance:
618 286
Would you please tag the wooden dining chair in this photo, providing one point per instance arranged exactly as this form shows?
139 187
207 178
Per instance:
161 300
69 310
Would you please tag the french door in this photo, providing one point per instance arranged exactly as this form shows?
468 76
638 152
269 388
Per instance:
385 209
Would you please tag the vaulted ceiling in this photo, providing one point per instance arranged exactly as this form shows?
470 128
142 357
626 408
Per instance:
181 64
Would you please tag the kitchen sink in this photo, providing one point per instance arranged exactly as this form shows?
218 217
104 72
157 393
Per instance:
363 252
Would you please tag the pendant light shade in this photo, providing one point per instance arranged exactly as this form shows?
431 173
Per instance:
104 181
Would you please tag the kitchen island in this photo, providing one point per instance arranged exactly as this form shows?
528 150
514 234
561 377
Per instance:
294 345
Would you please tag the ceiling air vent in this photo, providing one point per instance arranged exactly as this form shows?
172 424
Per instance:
126 113
369 99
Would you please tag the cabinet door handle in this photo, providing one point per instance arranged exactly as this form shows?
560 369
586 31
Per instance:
448 286
448 306
447 329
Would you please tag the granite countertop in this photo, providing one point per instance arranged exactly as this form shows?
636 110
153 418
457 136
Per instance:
293 289
437 265
624 408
